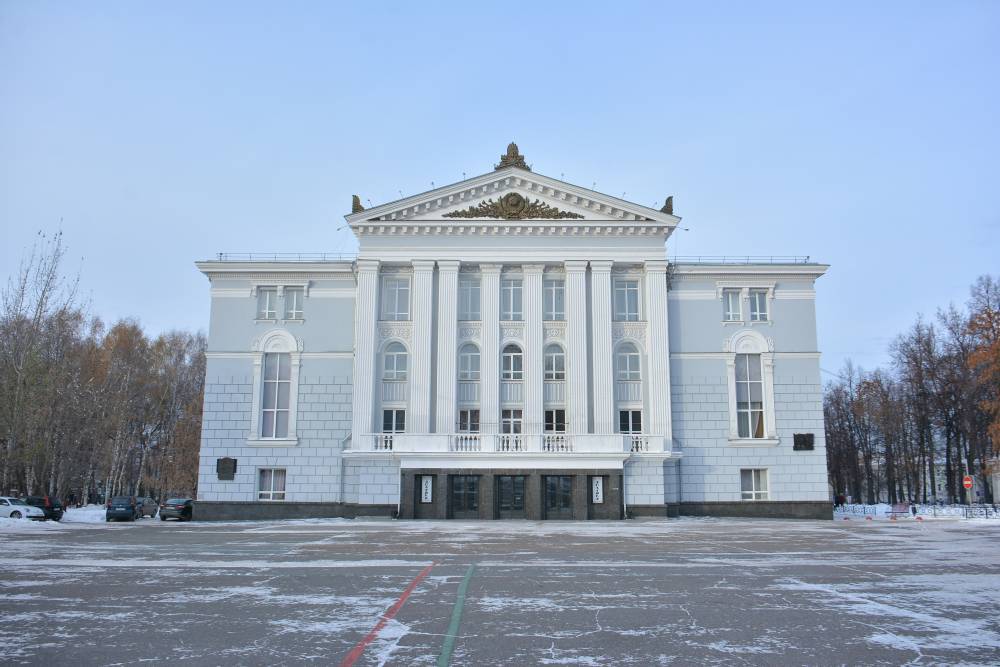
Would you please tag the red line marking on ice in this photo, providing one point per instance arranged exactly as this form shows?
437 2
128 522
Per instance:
356 652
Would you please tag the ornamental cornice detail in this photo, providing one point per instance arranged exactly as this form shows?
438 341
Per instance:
512 331
554 331
513 206
628 330
470 332
401 330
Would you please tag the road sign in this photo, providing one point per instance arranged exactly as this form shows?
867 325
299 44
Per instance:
967 482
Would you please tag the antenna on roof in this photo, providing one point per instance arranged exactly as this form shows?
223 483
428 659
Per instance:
432 184
369 202
463 175
593 186
562 176
623 194
400 193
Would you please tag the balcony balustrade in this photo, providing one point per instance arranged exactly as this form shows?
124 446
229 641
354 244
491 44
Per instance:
544 443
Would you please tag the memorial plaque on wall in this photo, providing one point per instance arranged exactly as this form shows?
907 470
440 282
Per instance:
427 488
225 469
802 442
597 490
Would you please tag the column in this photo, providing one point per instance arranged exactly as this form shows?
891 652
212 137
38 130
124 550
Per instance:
422 314
657 379
489 355
603 376
365 321
576 345
533 341
444 406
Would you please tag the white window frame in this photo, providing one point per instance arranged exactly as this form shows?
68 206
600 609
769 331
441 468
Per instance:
632 412
392 356
555 421
469 299
512 421
469 363
397 420
748 341
293 298
395 298
554 300
511 299
628 363
759 487
624 291
267 303
272 492
512 363
467 418
554 362
750 419
732 305
759 306
274 406
276 340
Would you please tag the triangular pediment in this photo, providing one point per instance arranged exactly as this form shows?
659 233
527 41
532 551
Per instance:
511 194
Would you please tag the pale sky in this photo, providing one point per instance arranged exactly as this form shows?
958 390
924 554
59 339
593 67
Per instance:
865 135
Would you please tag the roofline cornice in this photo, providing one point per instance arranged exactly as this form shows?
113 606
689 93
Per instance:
728 270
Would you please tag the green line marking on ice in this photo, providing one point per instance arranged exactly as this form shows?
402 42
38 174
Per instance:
456 620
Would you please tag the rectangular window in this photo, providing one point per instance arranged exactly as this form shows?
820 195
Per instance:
395 298
510 300
626 300
758 305
512 366
275 395
468 421
731 302
749 396
630 421
753 483
267 303
554 300
293 303
555 421
394 421
555 363
468 363
271 484
468 299
511 421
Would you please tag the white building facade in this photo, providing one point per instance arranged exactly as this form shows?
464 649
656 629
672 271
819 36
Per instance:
511 346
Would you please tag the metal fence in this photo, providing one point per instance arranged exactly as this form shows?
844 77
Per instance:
286 257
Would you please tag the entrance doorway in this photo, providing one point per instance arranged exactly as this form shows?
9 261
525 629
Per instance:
464 496
558 496
510 496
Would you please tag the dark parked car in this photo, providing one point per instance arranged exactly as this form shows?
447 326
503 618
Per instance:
122 507
51 506
147 507
177 508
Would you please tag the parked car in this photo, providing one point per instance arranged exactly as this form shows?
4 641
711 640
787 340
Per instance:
15 508
122 507
51 506
177 508
147 507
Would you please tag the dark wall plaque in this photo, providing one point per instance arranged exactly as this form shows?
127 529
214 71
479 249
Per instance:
802 442
225 469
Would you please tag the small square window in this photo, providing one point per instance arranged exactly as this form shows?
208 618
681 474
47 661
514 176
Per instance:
753 483
271 484
267 303
731 306
626 300
758 305
293 303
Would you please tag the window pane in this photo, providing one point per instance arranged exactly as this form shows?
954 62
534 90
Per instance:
746 480
636 421
264 484
267 424
281 424
270 395
387 421
279 480
753 366
761 480
756 392
270 366
758 424
743 421
742 393
741 367
283 391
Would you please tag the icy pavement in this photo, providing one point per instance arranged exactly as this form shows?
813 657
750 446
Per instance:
614 593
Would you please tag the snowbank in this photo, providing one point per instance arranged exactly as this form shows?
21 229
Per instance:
86 514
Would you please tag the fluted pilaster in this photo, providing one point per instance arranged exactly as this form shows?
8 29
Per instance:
576 345
657 377
365 314
447 319
603 370
533 340
421 354
490 353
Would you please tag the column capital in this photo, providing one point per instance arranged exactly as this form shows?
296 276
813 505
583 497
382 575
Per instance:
423 264
533 268
656 266
491 268
449 264
602 265
368 264
575 265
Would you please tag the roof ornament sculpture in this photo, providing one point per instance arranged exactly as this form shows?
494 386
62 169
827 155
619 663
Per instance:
512 158
356 206
512 206
668 206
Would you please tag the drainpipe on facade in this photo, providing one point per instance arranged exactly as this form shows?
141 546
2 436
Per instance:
624 497
399 489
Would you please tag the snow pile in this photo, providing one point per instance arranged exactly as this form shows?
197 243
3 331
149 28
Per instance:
23 525
87 514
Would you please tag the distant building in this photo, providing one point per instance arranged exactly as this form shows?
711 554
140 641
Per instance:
512 346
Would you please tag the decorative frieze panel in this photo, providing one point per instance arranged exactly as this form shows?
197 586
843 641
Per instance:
554 331
511 332
635 331
468 332
400 330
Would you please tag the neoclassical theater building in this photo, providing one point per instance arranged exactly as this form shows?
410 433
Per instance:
512 346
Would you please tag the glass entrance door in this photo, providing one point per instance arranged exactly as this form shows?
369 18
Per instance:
464 496
510 496
558 497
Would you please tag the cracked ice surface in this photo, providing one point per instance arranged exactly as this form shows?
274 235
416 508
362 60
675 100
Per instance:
622 593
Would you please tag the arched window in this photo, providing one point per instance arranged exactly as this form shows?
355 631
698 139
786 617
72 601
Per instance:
395 362
555 362
513 363
468 362
628 363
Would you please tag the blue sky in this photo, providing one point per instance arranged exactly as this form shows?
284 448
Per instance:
862 134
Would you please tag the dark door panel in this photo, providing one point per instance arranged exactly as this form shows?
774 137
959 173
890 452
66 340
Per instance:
558 496
510 496
464 496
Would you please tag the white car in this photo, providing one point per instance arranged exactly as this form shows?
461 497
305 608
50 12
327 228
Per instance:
15 508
